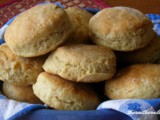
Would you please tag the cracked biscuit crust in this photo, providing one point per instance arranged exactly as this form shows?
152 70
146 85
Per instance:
62 94
82 63
141 81
38 30
19 70
121 29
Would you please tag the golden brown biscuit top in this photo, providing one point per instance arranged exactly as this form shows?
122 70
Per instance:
38 30
136 73
120 19
40 19
92 52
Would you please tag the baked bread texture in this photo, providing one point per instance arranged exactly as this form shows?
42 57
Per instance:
141 81
19 70
148 54
82 63
20 93
62 94
80 22
121 29
38 30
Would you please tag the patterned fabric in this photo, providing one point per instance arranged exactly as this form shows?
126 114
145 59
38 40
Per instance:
137 109
6 2
156 21
11 109
18 6
126 109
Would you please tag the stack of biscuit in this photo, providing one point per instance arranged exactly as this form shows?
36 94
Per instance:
19 74
42 31
48 56
129 33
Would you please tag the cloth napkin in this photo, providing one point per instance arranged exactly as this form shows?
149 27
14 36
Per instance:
124 109
156 21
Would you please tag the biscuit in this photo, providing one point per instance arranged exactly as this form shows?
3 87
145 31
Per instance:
38 30
62 94
19 93
121 29
149 54
141 81
19 70
80 21
82 63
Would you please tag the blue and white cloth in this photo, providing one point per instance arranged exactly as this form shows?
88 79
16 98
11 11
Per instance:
137 109
125 109
156 21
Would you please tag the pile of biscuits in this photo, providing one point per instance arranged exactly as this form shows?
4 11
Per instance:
54 56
